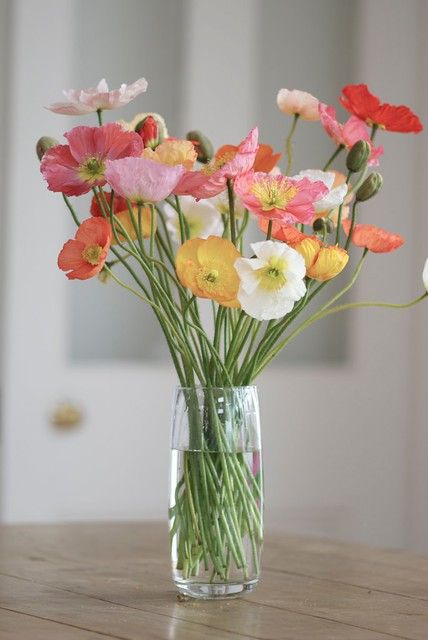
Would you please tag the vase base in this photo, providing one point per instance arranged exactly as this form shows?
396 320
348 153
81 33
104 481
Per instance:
214 591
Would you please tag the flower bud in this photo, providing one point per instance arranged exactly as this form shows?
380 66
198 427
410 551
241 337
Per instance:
203 146
322 225
358 156
149 132
369 188
104 275
43 144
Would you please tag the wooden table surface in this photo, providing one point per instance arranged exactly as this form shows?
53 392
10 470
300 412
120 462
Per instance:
94 581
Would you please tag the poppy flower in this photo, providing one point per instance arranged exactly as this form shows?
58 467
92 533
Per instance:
358 100
271 282
265 160
295 102
288 200
206 267
322 262
85 256
285 232
349 133
173 152
81 101
211 179
203 219
142 180
373 238
76 168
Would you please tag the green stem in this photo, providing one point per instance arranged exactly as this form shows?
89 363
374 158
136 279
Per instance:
333 157
231 198
100 117
289 146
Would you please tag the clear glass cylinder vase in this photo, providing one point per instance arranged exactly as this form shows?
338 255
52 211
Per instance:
216 496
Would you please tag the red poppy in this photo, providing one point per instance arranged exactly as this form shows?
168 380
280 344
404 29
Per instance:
373 238
358 100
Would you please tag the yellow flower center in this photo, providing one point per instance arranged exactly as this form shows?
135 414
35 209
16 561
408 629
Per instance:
274 194
92 169
207 279
218 163
92 254
271 277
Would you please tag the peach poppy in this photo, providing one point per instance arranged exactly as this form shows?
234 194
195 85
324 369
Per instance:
265 160
85 256
296 102
206 267
173 153
373 238
121 211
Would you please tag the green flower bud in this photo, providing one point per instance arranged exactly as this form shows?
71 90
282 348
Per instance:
370 187
322 225
358 156
43 144
203 146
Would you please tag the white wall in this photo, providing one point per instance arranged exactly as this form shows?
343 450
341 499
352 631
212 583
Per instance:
345 441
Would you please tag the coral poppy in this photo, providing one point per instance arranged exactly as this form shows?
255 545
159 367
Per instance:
206 267
121 211
349 133
322 262
272 281
81 101
211 179
141 180
358 100
295 102
373 238
285 232
288 200
85 256
76 168
265 160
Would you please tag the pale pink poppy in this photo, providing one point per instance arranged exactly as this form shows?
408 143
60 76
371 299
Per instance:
141 180
81 101
349 133
211 180
76 168
278 197
295 102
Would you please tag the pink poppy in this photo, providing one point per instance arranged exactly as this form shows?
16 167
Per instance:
211 179
141 180
85 256
81 101
349 133
79 166
279 197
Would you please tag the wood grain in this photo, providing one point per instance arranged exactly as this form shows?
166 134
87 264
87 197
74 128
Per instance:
87 581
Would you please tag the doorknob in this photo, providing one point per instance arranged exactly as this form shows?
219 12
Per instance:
66 415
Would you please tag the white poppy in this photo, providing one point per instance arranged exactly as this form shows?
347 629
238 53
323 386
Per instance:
271 282
334 197
203 219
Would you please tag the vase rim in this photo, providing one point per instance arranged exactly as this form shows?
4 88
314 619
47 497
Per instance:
214 388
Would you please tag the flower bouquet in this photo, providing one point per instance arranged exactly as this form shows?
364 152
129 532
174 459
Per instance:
173 215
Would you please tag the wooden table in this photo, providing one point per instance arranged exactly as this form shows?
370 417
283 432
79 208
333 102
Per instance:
94 581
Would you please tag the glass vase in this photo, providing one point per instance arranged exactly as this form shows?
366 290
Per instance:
216 496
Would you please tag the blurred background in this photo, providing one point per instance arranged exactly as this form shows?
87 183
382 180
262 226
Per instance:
344 410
